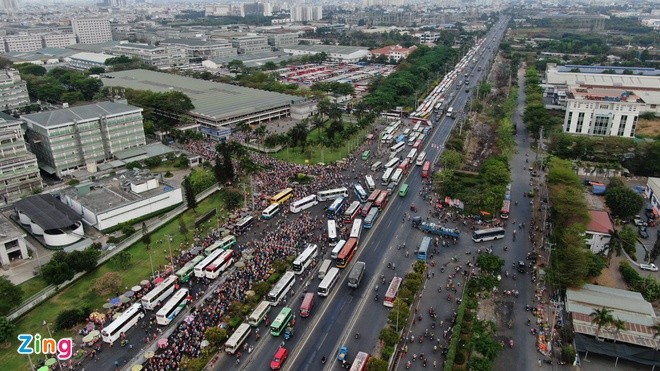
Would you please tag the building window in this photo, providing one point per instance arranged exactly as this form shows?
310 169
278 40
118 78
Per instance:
568 122
580 122
622 125
600 125
634 126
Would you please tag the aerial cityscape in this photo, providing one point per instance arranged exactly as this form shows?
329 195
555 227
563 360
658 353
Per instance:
313 185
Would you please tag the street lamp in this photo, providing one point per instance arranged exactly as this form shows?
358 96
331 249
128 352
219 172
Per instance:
169 245
45 323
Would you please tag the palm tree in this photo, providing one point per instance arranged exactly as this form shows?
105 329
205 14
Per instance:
245 128
656 330
618 325
260 132
615 245
601 317
317 123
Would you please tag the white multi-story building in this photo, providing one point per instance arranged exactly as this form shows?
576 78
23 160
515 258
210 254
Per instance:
58 40
19 173
92 30
84 60
13 90
23 43
157 56
306 13
280 40
250 44
84 136
334 52
201 49
394 53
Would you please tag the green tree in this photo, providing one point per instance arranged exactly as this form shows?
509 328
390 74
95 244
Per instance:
122 260
10 294
30 69
377 364
183 229
490 263
72 97
618 325
451 160
189 194
146 237
655 252
56 271
216 336
601 317
219 170
118 60
7 328
82 261
96 70
233 198
71 317
623 202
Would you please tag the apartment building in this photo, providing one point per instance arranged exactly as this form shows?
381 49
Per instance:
157 56
92 30
250 44
58 40
13 90
23 43
280 40
306 13
82 137
201 49
19 173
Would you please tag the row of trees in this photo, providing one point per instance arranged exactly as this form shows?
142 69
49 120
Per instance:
165 110
59 85
63 266
536 116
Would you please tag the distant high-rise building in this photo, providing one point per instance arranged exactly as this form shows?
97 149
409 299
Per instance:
19 173
9 5
306 13
92 30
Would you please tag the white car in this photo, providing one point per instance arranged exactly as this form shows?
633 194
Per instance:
649 267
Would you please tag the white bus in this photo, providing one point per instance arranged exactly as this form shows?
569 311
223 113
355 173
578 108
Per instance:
219 265
222 244
376 165
328 281
172 308
412 138
332 232
303 204
397 148
385 180
123 323
488 234
396 177
200 268
356 229
324 268
259 313
420 159
282 287
331 194
236 339
305 259
270 211
159 293
392 162
335 250
411 155
370 183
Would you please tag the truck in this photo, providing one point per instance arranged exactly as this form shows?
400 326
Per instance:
432 228
356 274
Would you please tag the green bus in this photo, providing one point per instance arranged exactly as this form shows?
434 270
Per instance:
187 270
403 191
365 155
281 321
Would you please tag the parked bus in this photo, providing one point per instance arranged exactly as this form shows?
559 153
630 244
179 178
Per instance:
371 218
356 229
504 213
307 305
424 248
303 204
331 194
328 282
200 268
355 277
159 293
403 191
281 321
186 272
366 208
305 259
352 212
392 291
123 323
347 252
172 308
233 344
332 232
219 265
335 250
376 165
381 201
418 144
282 196
397 148
360 362
392 162
412 138
426 169
405 165
396 177
223 244
369 182
336 209
281 288
386 176
243 225
270 211
488 234
324 267
259 313
365 155
412 155
373 196
420 159
360 192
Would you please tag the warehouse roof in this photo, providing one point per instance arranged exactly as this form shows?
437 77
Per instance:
47 212
330 49
194 42
215 100
79 113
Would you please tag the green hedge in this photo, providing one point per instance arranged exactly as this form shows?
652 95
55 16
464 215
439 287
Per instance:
142 218
648 286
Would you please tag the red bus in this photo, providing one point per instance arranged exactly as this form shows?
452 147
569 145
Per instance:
347 252
373 196
360 362
366 208
352 212
426 169
307 305
418 143
381 201
504 213
390 296
405 165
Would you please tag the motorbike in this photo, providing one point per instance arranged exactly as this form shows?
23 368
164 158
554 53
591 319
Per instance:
323 359
408 365
511 343
376 298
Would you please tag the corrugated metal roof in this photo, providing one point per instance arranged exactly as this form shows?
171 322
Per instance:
79 113
627 305
47 212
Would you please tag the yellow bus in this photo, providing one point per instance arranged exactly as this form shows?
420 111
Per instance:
282 197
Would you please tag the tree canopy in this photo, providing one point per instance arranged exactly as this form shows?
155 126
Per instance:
623 202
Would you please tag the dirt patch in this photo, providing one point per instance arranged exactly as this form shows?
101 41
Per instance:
610 276
648 128
479 144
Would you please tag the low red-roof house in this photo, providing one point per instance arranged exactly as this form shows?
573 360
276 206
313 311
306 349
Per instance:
395 53
598 231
